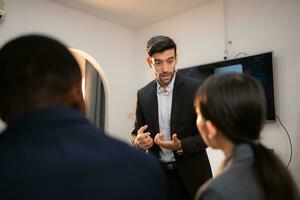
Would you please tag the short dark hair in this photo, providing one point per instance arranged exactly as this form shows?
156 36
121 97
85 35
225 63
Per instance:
34 68
159 44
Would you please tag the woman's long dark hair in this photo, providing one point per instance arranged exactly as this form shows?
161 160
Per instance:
236 104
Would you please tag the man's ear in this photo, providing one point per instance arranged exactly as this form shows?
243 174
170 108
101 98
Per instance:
74 98
149 61
212 130
176 58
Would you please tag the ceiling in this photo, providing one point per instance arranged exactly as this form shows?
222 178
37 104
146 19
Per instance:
133 14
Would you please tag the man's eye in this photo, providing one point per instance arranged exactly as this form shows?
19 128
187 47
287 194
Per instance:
170 61
157 62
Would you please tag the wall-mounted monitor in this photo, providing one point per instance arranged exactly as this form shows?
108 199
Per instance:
259 66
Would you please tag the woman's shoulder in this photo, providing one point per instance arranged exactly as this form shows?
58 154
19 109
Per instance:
237 182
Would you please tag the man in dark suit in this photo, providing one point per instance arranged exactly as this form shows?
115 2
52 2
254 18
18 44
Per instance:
166 122
49 150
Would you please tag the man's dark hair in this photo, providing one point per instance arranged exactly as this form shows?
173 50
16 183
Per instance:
34 69
159 44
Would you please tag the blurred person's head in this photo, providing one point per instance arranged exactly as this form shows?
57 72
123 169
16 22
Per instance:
162 58
37 72
231 110
230 107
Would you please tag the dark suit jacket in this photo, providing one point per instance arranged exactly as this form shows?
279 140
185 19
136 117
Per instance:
193 165
238 181
57 154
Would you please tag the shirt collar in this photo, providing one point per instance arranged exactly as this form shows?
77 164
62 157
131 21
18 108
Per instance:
169 88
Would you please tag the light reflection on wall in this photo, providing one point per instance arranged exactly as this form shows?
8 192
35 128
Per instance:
83 86
81 61
82 58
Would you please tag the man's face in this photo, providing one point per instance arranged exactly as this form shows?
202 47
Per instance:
163 65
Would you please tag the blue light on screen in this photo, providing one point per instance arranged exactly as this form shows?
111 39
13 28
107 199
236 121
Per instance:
229 69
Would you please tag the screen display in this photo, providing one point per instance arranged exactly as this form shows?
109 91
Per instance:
259 66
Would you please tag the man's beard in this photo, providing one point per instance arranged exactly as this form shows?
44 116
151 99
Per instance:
163 81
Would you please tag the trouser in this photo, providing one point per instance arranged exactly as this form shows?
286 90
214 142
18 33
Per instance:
177 190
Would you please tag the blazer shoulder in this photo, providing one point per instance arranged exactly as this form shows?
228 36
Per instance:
191 84
150 87
239 180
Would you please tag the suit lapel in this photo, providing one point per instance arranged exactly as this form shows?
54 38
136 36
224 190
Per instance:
178 92
154 107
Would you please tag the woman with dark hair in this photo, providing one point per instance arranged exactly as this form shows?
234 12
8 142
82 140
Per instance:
231 110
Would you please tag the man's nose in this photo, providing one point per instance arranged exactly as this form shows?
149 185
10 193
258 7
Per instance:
164 67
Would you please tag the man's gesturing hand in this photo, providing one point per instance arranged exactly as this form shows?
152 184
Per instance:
143 140
174 144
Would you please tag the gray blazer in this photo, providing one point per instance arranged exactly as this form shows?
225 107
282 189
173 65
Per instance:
237 181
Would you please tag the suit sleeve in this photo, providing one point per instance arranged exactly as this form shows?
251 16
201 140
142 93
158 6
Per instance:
192 145
191 141
139 118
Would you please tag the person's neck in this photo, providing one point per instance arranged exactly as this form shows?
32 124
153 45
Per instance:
163 87
227 147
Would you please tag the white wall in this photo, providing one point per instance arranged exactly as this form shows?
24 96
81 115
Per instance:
253 27
199 34
257 26
110 44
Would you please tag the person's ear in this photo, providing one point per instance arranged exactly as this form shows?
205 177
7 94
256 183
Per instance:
176 59
212 130
149 61
74 98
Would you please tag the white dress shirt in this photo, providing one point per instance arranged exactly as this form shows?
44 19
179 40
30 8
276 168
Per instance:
164 98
